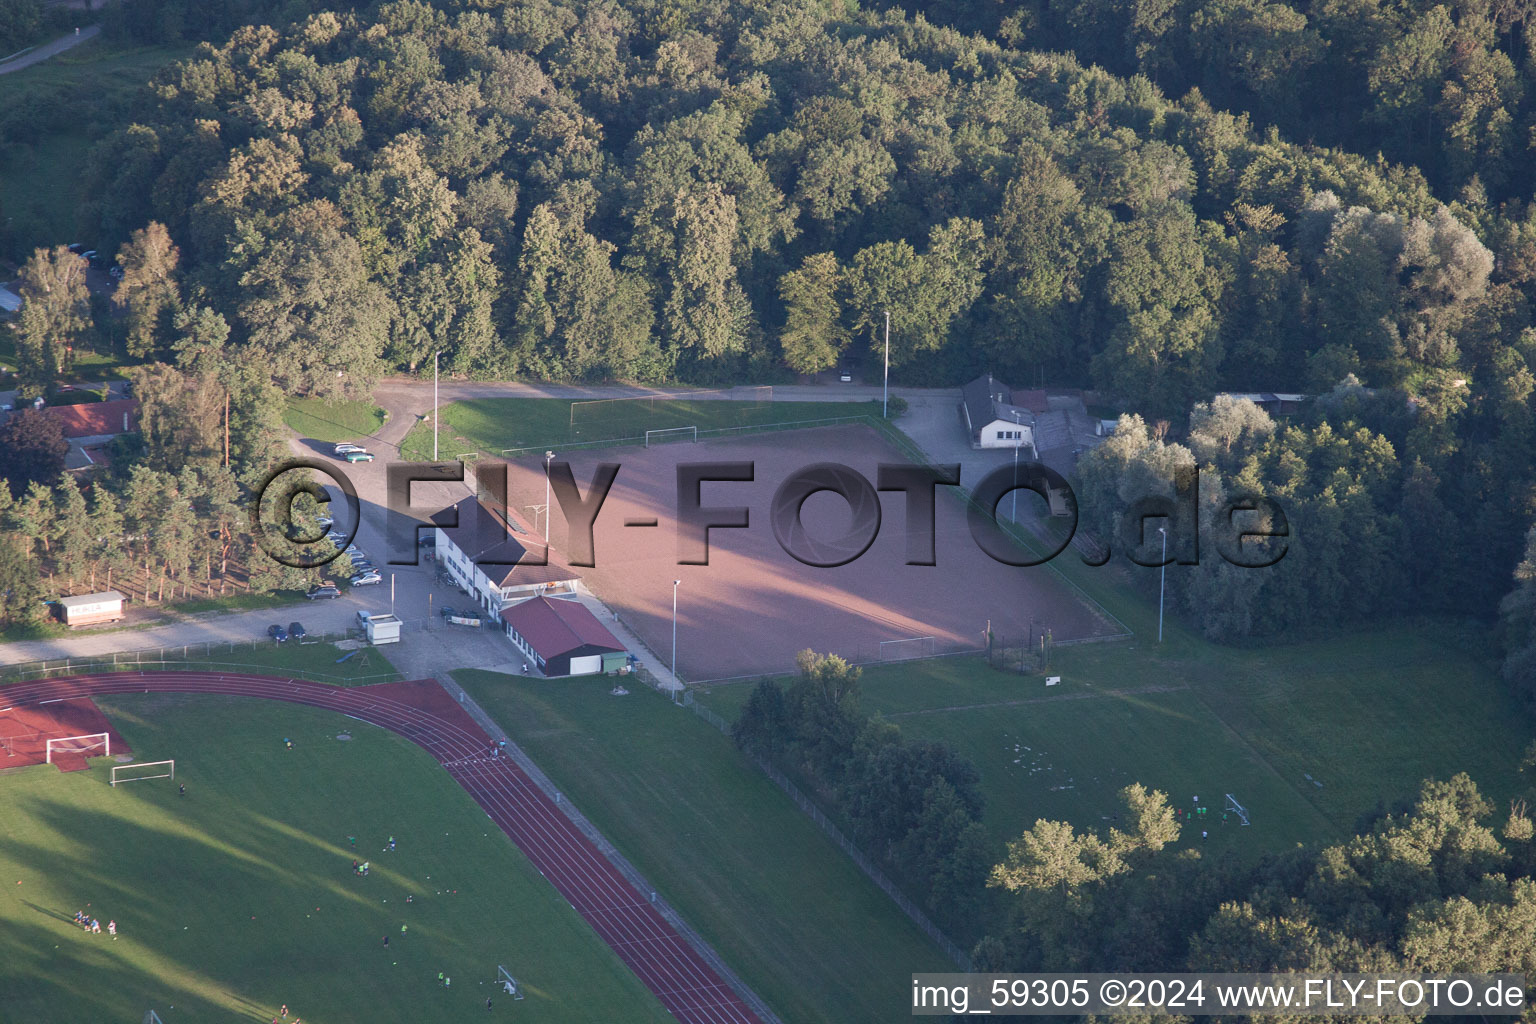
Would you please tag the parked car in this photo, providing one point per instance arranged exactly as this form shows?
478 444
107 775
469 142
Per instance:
366 579
76 247
296 630
353 551
326 590
348 446
358 456
362 565
337 538
277 632
324 522
845 375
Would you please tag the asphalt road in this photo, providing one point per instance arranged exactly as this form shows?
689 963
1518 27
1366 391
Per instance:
46 50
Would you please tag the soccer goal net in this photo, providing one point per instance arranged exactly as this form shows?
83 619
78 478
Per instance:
85 746
654 437
1237 809
151 1017
905 648
143 770
508 983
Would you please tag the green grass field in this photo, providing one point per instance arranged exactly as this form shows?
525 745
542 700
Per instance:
333 421
240 896
492 425
1367 717
784 907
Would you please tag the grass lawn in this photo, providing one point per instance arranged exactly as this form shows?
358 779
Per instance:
1367 717
239 897
333 421
491 425
784 907
66 103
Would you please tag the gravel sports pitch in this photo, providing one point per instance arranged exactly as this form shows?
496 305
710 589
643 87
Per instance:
754 606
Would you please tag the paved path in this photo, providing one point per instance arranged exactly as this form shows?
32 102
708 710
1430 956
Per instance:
424 714
42 53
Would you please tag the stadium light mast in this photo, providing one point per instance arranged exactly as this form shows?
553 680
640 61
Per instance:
548 458
434 405
1016 470
675 584
885 403
1162 585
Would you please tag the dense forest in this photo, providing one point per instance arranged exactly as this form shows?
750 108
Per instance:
1446 87
712 194
674 192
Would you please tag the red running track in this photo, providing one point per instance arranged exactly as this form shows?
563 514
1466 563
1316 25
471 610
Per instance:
687 986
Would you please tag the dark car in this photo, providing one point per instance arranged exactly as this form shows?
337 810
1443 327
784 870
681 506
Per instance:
296 630
323 590
277 632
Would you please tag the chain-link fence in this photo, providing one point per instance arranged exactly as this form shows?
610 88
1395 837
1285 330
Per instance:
237 656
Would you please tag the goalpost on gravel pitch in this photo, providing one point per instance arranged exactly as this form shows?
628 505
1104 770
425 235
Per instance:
671 434
78 745
161 770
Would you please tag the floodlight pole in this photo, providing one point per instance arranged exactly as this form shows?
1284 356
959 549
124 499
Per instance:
1162 585
548 458
674 627
885 403
434 406
1015 472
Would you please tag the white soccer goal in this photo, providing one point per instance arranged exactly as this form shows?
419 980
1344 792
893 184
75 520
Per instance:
151 1017
905 648
508 983
79 745
161 770
671 434
1237 808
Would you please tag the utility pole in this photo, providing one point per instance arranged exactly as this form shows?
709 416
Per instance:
1163 584
885 403
434 406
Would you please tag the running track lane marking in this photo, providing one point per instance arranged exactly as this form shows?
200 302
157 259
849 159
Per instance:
680 979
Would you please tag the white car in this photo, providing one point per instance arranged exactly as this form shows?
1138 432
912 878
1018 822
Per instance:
366 579
324 522
346 447
353 551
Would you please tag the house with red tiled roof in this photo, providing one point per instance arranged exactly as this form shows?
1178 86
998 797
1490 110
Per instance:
89 426
561 637
95 422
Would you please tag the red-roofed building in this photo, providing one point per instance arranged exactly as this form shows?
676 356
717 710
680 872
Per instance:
95 422
89 426
562 637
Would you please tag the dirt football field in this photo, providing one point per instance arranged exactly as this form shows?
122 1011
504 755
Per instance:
754 606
